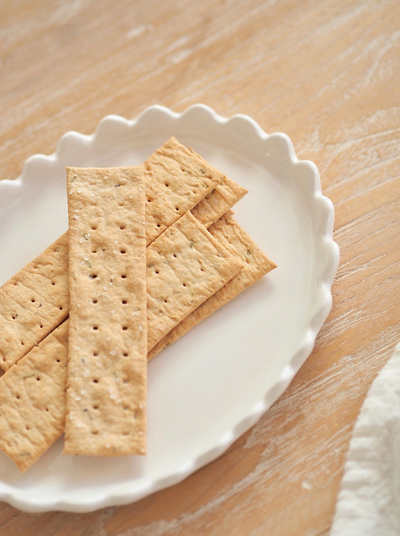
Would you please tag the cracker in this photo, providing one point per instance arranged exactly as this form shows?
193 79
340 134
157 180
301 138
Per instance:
229 233
32 400
185 266
106 392
217 203
34 302
177 179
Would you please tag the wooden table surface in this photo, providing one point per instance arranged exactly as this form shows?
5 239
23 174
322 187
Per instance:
327 74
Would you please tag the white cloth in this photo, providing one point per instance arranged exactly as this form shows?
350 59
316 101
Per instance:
369 499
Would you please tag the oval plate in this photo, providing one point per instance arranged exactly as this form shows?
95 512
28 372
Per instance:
212 385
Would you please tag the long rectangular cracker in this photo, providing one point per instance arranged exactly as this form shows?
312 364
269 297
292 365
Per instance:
185 266
177 179
32 400
106 387
33 303
229 233
218 202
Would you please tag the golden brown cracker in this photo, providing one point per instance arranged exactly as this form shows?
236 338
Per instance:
229 233
34 302
32 400
185 266
106 393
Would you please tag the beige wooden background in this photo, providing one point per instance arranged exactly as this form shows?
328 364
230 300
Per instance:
327 73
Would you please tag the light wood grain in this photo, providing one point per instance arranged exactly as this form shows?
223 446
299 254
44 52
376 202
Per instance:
326 73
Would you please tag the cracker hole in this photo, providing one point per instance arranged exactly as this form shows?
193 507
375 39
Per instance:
94 251
95 381
27 427
149 200
93 276
15 284
184 284
41 326
53 283
60 308
58 361
201 270
121 204
38 379
158 225
123 251
47 409
124 302
32 300
125 328
18 397
94 228
22 342
123 276
95 354
176 208
95 432
157 272
167 185
13 317
122 227
35 268
125 355
174 255
56 251
94 301
95 328
95 407
165 301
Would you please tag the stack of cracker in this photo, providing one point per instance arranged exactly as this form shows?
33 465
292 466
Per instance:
151 251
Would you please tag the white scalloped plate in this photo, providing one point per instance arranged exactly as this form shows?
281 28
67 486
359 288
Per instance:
211 386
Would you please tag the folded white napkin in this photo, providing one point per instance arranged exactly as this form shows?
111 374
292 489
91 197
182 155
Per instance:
369 498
